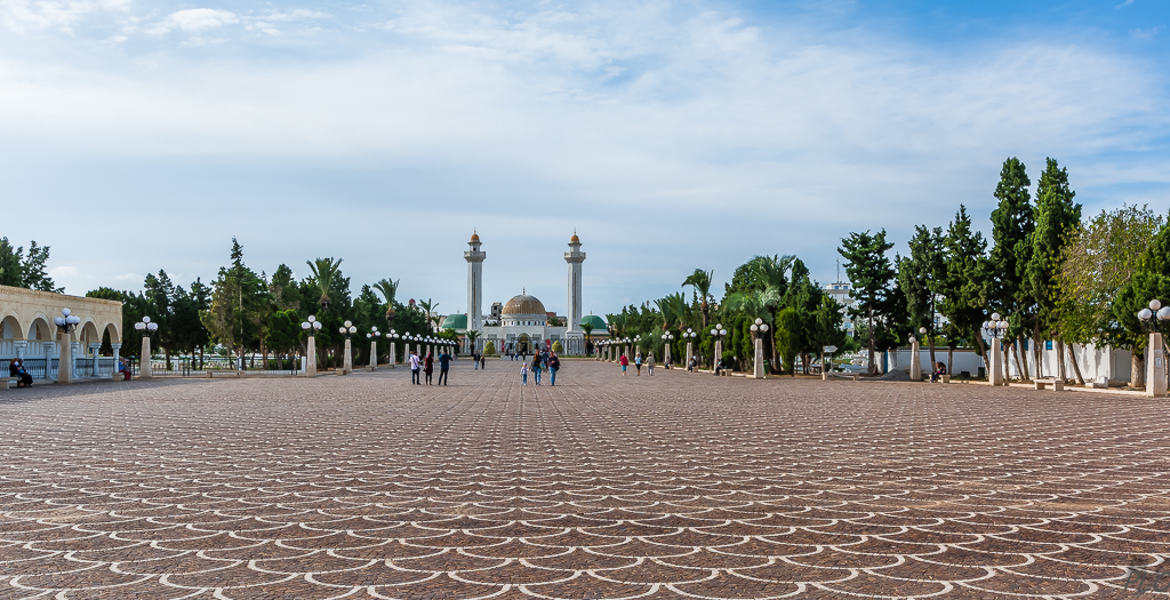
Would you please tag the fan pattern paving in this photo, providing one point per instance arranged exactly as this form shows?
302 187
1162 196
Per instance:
676 486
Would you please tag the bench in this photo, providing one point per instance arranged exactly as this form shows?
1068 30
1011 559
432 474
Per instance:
1057 385
945 378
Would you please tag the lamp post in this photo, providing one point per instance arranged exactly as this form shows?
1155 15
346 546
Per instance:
689 335
634 347
311 326
347 329
667 338
759 329
993 330
915 359
1155 356
65 324
717 332
373 336
392 335
145 370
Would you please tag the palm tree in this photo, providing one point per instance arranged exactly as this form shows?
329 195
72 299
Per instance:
389 289
673 308
700 280
472 335
324 270
587 327
429 307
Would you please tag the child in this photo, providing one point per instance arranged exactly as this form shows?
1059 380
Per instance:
625 363
524 373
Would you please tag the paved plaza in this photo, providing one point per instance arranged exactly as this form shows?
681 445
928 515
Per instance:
676 486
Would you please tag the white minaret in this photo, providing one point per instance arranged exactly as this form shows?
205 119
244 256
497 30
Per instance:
575 257
474 258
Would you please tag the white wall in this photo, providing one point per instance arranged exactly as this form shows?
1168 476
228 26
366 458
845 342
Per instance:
1094 362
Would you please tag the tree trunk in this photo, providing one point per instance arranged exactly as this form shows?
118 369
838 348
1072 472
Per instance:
951 360
1024 359
1060 373
872 346
933 360
1072 357
1018 353
983 352
1039 352
1006 358
1015 355
1137 370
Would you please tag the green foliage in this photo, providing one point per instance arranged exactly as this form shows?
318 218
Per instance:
556 347
282 334
490 348
872 275
965 286
700 282
26 270
324 273
1012 223
788 335
1057 219
239 304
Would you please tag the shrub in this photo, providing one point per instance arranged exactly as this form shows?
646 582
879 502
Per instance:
489 348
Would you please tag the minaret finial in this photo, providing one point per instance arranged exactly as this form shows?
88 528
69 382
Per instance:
523 291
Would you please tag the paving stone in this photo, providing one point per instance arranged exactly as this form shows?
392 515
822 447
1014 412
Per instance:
672 486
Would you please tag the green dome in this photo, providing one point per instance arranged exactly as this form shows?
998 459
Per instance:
596 322
455 322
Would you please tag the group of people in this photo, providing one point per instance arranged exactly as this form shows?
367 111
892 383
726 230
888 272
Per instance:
17 371
421 366
638 362
541 361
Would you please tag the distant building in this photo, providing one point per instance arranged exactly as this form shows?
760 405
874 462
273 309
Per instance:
842 292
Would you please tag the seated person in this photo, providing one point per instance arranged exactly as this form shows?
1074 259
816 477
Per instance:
16 369
940 369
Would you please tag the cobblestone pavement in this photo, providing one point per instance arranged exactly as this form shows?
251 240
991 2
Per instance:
676 486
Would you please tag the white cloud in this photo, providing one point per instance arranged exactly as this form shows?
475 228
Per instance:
195 20
650 121
29 16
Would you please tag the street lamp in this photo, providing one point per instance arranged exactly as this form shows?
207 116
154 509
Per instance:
916 356
65 325
373 336
718 332
311 326
667 338
689 335
146 327
1155 356
759 329
392 335
347 329
993 330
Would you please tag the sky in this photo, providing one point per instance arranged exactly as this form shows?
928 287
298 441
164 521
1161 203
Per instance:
143 135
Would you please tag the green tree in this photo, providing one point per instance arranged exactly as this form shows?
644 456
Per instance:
700 282
1012 223
239 305
30 270
871 275
921 276
324 273
1057 218
388 289
283 331
283 289
1098 261
965 285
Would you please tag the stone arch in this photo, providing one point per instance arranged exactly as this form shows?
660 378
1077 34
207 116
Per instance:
10 328
88 334
39 329
110 336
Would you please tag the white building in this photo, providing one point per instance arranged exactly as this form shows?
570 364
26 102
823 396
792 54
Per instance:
522 324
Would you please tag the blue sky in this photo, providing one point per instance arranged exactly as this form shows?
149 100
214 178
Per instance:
671 135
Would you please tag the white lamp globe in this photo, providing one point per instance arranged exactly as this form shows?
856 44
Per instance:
722 332
312 318
994 316
1164 313
152 326
348 323
59 321
764 327
755 327
66 311
922 330
140 326
340 330
305 325
317 325
1145 314
759 321
1155 304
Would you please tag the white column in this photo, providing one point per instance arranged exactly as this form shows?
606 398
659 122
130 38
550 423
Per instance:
474 257
1155 367
21 346
915 361
93 351
574 257
666 353
64 359
311 357
144 369
393 358
117 355
718 353
758 366
690 353
373 355
995 362
347 361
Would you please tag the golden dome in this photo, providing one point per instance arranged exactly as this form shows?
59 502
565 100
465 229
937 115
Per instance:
474 236
574 239
523 305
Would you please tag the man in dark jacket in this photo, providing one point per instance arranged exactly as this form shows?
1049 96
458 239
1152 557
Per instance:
554 365
444 364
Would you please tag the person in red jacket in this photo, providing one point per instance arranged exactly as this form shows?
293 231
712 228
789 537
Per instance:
625 363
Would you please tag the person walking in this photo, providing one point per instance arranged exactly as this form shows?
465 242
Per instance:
536 366
625 362
554 365
429 366
482 362
414 368
638 363
475 361
650 365
523 373
444 366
